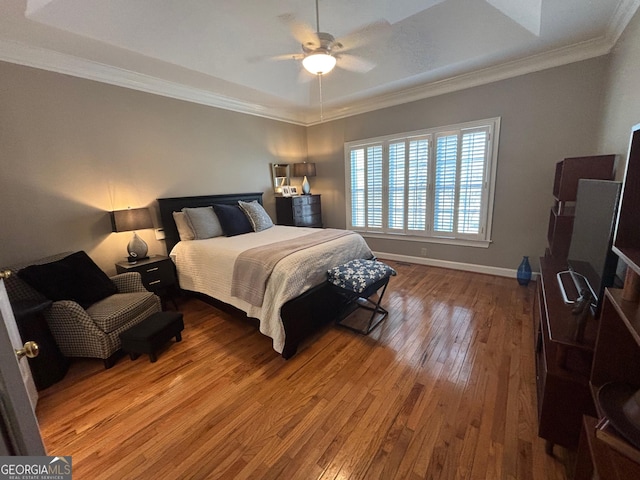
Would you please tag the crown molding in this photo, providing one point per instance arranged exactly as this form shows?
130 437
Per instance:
555 58
37 57
621 18
42 58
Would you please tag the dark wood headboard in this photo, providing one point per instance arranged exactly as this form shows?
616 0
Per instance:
170 205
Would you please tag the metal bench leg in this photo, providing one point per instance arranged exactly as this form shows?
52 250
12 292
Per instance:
375 309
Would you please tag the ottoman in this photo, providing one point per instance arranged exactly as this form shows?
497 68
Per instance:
151 334
357 280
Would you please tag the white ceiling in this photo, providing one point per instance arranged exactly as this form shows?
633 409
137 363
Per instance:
220 52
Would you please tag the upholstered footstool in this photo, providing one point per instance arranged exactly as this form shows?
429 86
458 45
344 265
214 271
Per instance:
151 334
358 280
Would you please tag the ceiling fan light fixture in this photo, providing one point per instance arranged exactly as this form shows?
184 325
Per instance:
319 63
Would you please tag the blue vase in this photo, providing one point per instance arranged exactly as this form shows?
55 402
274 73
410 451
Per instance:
524 272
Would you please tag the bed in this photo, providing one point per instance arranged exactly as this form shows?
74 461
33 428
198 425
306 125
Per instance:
296 301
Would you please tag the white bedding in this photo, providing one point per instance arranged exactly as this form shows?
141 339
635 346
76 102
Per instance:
206 266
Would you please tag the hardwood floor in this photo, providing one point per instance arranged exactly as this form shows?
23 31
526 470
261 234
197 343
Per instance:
444 388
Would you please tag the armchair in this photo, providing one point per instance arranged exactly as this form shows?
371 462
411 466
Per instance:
92 331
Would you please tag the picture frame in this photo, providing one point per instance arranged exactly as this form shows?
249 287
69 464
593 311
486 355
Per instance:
293 191
286 191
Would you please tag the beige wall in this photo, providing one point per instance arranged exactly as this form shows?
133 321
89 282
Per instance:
546 116
72 150
622 95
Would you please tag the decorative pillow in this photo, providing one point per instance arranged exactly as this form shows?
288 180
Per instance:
233 220
357 275
182 224
257 215
203 222
75 277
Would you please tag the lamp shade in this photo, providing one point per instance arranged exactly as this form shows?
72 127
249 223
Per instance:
131 219
304 169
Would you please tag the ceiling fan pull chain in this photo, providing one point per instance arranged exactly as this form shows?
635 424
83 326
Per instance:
320 84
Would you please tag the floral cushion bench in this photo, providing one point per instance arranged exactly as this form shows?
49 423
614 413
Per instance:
358 280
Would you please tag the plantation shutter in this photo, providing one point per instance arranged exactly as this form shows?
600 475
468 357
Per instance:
473 159
357 170
435 185
396 186
374 186
417 185
445 183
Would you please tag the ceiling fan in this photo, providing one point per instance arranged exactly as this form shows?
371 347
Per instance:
321 52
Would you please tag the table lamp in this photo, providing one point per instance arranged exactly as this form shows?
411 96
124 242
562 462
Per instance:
130 220
304 170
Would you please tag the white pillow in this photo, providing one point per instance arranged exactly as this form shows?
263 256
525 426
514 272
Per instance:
184 229
257 215
203 221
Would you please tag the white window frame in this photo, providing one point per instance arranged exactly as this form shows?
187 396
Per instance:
481 239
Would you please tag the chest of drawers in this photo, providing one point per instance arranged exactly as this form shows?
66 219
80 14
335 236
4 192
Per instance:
299 211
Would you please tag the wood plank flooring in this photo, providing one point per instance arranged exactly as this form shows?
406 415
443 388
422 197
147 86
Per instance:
443 389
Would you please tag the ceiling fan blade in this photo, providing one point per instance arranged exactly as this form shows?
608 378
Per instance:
302 32
288 56
377 30
354 63
269 58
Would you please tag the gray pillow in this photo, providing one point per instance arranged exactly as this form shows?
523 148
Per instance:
203 221
257 215
182 224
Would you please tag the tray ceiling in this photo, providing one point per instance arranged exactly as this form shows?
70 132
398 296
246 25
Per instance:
221 53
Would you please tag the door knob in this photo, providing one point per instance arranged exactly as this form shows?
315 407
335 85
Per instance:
4 274
29 349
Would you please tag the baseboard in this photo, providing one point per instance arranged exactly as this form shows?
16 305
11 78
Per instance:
467 267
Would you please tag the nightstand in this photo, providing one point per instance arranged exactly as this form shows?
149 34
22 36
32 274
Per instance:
158 275
299 211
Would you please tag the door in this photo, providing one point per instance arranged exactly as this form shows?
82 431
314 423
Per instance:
20 434
15 338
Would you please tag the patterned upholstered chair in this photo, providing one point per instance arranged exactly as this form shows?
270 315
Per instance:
94 331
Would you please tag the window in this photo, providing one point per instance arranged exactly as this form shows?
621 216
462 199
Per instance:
435 184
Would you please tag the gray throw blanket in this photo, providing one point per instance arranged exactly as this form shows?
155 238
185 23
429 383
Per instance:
253 267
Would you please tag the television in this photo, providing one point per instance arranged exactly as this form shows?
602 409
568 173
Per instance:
591 262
